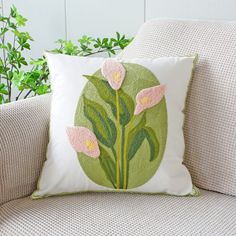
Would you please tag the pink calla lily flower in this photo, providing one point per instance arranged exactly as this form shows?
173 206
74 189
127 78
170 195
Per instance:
83 140
148 98
114 72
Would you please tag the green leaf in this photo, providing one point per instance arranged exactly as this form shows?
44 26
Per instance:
127 107
20 20
70 48
13 11
108 165
23 61
85 40
153 142
42 89
3 31
118 35
103 89
136 137
103 127
17 79
104 41
9 46
38 62
108 95
3 89
26 45
136 143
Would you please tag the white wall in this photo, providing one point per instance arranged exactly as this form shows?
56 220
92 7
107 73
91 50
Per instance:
50 20
46 22
192 9
103 17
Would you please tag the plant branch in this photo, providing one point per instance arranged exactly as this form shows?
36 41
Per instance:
18 96
10 84
28 93
101 51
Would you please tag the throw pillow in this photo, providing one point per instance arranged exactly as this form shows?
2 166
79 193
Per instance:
117 126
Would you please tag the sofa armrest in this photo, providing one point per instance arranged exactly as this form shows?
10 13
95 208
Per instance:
23 142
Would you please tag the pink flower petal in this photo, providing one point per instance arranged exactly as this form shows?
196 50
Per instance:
114 72
149 97
83 140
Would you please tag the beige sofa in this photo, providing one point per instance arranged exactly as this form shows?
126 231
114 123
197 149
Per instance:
210 134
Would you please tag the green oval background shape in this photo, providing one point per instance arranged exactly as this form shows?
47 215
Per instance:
141 169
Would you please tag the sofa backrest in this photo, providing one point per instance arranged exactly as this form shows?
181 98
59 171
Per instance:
210 125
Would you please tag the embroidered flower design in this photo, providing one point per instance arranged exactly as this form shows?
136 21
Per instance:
83 140
114 72
148 98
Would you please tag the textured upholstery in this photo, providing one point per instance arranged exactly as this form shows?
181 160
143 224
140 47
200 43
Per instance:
210 127
120 214
23 141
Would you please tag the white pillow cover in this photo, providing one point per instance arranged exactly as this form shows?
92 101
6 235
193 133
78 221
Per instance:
80 159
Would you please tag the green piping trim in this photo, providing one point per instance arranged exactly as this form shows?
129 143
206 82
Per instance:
195 193
195 60
194 65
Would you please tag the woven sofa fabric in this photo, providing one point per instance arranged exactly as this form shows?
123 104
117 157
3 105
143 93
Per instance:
120 214
23 142
210 124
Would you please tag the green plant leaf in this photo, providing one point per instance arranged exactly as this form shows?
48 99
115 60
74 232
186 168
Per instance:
3 31
108 95
42 89
17 79
1 99
108 165
148 134
136 137
127 107
20 20
153 143
103 127
3 89
70 48
13 11
136 143
118 35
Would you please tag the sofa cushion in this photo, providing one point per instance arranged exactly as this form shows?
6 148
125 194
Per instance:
120 214
210 127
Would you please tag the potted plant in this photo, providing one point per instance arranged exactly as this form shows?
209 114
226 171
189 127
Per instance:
31 77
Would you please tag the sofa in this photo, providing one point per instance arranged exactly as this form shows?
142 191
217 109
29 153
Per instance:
210 135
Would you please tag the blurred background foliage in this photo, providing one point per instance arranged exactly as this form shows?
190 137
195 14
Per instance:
31 77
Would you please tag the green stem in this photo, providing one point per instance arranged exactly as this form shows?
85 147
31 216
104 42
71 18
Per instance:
10 84
118 142
100 51
113 152
122 155
125 160
125 164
